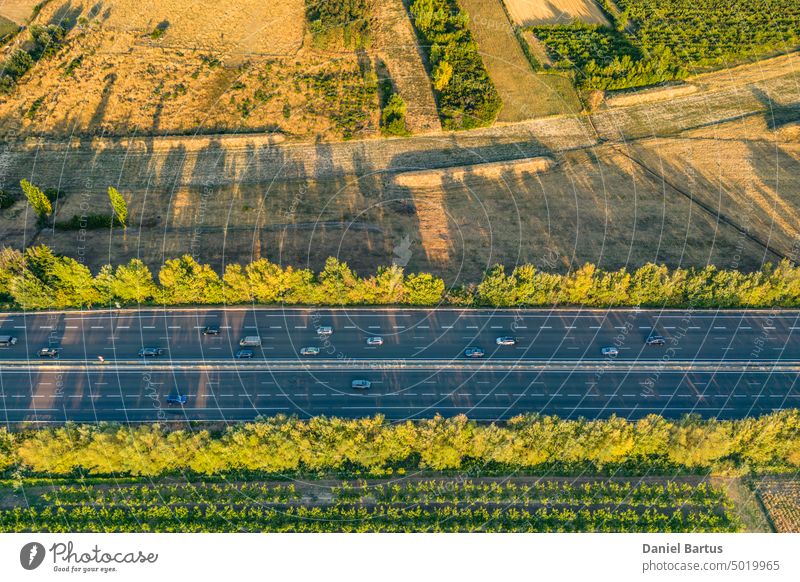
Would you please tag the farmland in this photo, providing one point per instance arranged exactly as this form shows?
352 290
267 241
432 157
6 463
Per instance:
525 94
235 198
420 505
659 41
530 13
781 498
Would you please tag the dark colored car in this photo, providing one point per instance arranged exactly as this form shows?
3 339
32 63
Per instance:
211 330
243 354
150 352
473 353
655 340
48 353
177 399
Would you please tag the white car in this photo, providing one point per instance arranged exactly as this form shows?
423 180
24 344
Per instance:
375 341
324 330
610 351
506 341
312 351
360 384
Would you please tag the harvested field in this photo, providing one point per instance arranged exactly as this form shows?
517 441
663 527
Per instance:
535 12
525 94
781 498
398 49
626 98
486 171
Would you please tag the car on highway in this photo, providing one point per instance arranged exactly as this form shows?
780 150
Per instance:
309 351
177 399
506 341
655 340
610 351
243 354
474 352
375 341
49 352
150 352
325 330
211 330
360 384
250 341
7 341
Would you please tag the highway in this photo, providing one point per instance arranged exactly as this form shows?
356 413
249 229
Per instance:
727 364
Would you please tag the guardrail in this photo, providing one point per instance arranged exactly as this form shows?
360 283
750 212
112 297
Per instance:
785 366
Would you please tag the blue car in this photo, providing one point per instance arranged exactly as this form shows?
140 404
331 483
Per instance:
176 399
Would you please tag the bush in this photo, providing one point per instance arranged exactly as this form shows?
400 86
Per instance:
339 22
393 117
7 199
87 222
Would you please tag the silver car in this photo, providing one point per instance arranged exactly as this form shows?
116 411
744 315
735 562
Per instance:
360 384
506 341
375 341
610 351
310 351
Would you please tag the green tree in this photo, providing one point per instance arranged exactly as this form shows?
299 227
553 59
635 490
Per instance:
423 289
37 199
119 206
133 283
184 280
442 75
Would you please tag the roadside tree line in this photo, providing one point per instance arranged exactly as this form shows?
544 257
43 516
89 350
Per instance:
38 278
284 444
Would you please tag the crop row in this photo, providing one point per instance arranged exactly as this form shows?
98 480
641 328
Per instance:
545 493
344 518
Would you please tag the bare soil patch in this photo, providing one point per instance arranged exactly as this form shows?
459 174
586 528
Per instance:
533 12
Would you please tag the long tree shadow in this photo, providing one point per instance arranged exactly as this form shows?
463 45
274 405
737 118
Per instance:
777 115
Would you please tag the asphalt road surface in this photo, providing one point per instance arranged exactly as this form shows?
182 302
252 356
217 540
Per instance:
725 364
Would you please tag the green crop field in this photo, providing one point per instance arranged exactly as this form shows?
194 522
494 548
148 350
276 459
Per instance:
665 40
435 505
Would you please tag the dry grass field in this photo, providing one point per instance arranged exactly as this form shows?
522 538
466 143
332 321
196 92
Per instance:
525 94
533 12
216 68
17 10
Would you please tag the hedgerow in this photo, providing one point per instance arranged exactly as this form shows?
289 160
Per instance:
37 278
282 445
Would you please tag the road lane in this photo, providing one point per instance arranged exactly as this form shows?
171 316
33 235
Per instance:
134 396
725 364
567 335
